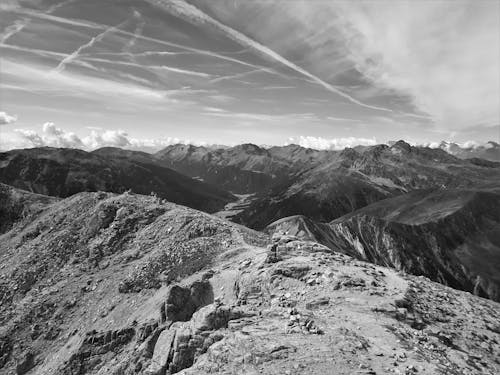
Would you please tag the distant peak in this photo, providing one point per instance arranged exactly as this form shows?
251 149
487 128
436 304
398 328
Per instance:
250 148
349 153
401 146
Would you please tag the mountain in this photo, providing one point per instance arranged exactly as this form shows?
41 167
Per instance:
489 151
64 172
17 204
451 236
242 169
350 180
100 283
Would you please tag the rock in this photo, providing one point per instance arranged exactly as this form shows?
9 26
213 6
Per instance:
320 301
178 347
163 346
26 363
401 313
295 271
182 302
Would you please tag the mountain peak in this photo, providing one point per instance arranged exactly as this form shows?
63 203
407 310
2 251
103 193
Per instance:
401 147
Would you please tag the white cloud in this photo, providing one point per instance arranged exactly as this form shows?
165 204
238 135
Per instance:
449 145
320 143
6 119
53 136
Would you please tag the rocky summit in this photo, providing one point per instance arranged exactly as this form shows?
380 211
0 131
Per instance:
103 283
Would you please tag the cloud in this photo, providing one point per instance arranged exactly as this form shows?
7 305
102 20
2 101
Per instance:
449 146
320 143
20 25
53 136
260 116
192 14
36 79
214 109
449 67
6 119
76 53
342 119
434 60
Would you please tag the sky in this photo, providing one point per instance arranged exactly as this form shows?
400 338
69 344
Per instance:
143 74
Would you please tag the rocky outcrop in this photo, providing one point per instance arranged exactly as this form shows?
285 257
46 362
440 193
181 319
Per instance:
95 345
182 302
179 346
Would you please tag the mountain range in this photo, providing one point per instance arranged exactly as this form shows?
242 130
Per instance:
64 172
108 267
489 151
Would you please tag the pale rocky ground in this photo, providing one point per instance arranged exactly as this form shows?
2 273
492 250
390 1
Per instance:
185 292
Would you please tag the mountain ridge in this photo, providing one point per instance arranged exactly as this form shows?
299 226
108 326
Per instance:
101 283
63 172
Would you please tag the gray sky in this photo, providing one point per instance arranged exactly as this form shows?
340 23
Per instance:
146 73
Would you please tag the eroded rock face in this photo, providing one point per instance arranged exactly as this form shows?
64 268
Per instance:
179 346
96 345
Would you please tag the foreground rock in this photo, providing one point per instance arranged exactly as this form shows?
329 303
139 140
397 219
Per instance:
127 284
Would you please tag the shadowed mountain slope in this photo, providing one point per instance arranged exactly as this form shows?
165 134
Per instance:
242 169
63 172
16 205
351 180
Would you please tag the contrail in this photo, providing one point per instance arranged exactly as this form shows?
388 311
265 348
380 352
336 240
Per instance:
137 33
18 25
146 67
13 29
194 15
35 51
93 25
74 55
241 75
